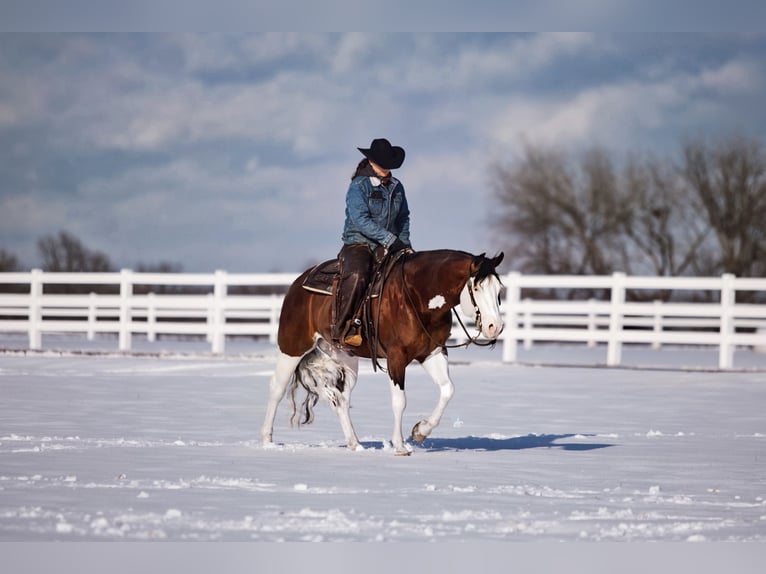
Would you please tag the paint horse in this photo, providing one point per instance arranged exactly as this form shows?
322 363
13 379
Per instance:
412 322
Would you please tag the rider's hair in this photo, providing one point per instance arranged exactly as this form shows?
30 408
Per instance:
361 167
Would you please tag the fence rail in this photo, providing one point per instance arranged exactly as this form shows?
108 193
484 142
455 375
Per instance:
206 305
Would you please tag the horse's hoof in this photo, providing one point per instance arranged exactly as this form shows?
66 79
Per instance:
402 453
416 434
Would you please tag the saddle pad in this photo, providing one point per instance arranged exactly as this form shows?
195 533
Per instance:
320 278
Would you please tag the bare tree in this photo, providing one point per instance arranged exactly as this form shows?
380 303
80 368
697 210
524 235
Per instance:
665 230
562 218
8 261
702 216
729 180
64 252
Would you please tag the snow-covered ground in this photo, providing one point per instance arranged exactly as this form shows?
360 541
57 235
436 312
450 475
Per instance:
115 447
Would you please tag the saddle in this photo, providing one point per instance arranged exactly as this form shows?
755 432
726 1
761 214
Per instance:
322 278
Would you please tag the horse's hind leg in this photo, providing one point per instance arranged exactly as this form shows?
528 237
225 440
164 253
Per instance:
324 373
340 400
437 366
283 372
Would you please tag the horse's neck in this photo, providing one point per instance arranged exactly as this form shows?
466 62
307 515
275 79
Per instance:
448 269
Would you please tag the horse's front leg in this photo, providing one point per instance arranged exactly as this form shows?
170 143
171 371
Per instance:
437 366
398 404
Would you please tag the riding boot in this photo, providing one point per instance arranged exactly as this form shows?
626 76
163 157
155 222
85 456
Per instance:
355 262
347 326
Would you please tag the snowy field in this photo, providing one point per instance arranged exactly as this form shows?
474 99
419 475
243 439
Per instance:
114 447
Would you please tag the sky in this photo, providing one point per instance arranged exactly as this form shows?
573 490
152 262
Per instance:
234 151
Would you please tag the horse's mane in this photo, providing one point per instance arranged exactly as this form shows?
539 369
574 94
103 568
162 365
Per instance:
486 265
486 268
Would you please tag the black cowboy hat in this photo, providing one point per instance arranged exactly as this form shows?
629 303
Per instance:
384 154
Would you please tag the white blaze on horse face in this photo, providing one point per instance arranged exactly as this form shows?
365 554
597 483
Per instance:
486 296
437 302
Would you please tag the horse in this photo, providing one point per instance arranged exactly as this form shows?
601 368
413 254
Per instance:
411 320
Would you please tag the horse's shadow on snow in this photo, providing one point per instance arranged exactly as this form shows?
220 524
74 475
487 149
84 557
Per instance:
481 443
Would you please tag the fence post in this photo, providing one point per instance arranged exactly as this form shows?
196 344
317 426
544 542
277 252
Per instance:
657 322
728 299
126 294
528 325
592 325
218 324
35 309
511 334
210 317
614 348
92 298
151 317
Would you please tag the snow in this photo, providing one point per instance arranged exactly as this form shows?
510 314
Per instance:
108 446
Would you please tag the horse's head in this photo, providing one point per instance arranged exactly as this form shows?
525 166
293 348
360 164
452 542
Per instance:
480 296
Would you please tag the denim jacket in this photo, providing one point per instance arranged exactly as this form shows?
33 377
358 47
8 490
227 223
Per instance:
376 214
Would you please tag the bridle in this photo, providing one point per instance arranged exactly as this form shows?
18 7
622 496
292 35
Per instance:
477 318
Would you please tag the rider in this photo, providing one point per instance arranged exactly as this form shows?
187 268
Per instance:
377 223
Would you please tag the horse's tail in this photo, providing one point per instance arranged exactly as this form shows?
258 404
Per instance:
316 373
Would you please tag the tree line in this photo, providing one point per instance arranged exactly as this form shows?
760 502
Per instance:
63 251
591 213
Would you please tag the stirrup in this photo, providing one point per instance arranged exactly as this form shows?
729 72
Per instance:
354 340
353 337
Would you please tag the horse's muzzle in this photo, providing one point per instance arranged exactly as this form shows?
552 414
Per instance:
492 329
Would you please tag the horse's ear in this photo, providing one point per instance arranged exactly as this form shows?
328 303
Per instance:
497 259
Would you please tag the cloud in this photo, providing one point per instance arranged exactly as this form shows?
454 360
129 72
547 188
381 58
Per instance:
518 57
214 147
620 113
736 76
352 49
201 210
115 98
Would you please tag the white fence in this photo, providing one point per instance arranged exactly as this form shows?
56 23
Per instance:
723 323
214 313
214 310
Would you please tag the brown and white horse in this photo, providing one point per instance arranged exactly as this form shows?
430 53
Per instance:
413 319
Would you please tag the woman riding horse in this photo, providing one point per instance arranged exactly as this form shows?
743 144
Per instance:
412 319
377 222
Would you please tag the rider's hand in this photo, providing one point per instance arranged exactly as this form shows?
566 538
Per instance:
397 245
